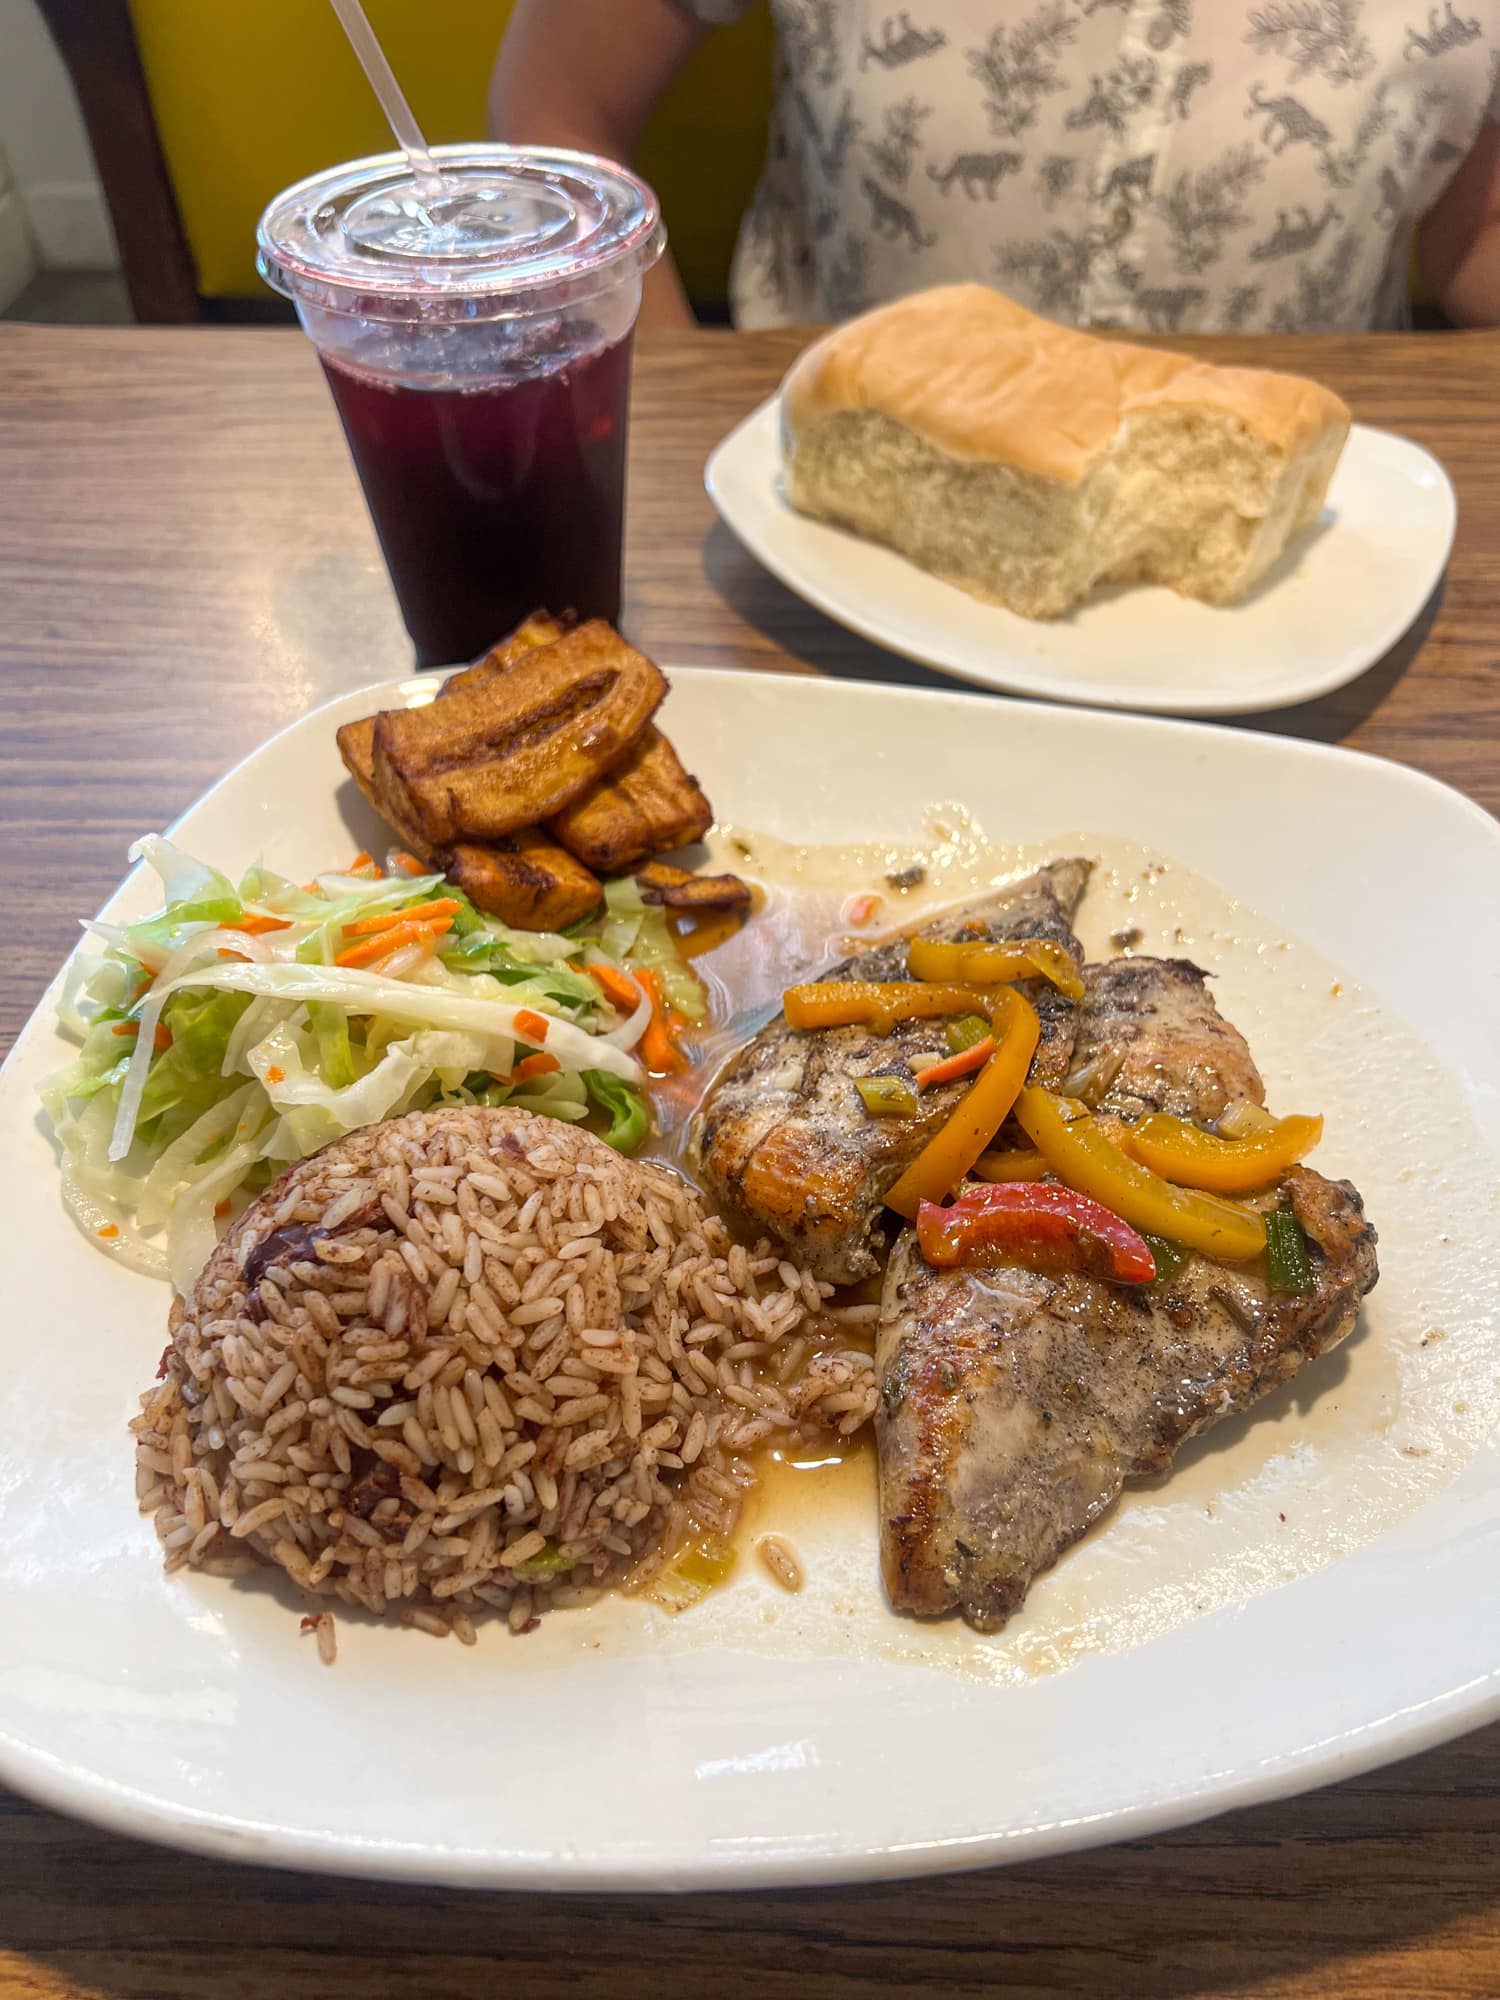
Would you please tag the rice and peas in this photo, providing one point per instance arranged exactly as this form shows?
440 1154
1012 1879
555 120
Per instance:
472 1360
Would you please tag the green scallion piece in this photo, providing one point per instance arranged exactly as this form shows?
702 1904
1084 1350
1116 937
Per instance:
1287 1266
965 1031
887 1096
1170 1258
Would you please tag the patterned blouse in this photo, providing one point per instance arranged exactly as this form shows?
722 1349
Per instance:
1171 165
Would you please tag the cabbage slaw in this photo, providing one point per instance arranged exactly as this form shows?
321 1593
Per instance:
222 1039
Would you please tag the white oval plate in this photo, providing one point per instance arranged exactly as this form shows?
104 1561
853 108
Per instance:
767 1739
1336 603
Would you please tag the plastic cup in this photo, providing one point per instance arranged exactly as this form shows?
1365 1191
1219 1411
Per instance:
478 350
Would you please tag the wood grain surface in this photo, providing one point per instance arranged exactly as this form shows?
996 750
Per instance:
186 565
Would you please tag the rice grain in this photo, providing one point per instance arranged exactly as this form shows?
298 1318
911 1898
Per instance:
384 1444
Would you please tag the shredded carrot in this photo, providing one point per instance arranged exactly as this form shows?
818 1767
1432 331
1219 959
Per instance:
222 1208
387 942
408 863
538 1064
255 924
275 1074
228 951
659 1051
161 1042
863 908
619 989
365 863
419 913
531 1027
426 938
109 1229
951 1068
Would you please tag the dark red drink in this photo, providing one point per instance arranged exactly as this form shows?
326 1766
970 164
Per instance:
473 314
492 502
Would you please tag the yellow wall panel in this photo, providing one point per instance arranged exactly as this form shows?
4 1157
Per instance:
252 94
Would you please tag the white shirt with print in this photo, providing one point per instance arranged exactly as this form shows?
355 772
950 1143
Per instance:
1171 165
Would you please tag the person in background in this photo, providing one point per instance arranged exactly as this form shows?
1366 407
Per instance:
1156 165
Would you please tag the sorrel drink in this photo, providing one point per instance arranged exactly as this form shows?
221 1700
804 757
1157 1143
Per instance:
492 502
477 343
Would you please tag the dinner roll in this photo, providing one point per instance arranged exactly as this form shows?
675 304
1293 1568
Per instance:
1031 464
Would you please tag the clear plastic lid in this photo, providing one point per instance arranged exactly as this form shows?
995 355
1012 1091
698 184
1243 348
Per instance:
514 230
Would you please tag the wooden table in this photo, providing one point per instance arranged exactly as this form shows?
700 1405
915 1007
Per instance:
185 565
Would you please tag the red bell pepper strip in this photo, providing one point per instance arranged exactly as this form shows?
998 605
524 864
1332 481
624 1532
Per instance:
1033 1220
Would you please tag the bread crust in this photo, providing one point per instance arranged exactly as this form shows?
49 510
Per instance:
979 377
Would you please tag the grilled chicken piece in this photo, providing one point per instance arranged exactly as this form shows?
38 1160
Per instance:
511 749
1015 1405
648 806
1180 1054
783 1137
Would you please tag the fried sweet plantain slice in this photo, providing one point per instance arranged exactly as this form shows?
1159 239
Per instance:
356 741
661 883
526 880
540 629
511 751
648 806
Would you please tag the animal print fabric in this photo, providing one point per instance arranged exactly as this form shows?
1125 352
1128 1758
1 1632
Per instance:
1161 165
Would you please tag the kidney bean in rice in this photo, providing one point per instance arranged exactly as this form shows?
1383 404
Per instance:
474 1359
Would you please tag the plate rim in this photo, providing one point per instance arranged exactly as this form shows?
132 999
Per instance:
1059 689
100 1800
134 1815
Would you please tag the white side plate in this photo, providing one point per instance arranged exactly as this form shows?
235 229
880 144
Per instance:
1337 602
765 1739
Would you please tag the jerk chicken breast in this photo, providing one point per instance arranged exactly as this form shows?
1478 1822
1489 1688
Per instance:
1015 1404
783 1140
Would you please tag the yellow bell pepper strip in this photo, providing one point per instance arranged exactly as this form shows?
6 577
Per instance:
953 1149
1025 1163
993 964
1081 1155
1041 1225
1185 1154
875 1003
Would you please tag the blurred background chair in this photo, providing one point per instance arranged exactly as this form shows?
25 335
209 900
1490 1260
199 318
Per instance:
200 110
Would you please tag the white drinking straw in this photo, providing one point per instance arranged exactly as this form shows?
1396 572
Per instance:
424 170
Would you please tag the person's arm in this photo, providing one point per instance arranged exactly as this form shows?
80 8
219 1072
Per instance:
1458 241
588 74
